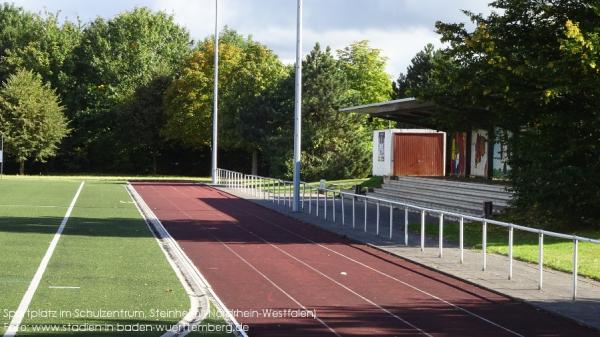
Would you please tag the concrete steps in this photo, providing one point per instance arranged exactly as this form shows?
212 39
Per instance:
462 197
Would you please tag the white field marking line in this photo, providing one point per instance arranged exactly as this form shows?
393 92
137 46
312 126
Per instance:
220 305
12 329
389 276
258 271
64 287
189 319
338 283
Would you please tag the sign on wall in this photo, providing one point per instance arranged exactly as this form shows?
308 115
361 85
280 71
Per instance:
381 147
479 153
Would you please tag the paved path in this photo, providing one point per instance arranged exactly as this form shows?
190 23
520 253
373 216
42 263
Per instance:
556 296
257 259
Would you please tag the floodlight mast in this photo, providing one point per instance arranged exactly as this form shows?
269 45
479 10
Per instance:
215 118
298 111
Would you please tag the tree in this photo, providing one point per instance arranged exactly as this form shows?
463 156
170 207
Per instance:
116 58
364 69
532 68
249 72
418 74
31 118
335 144
39 43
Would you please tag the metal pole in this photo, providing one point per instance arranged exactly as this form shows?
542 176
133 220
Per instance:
575 244
462 239
377 222
298 110
391 220
511 232
353 212
343 210
422 231
484 245
541 261
406 226
215 97
441 233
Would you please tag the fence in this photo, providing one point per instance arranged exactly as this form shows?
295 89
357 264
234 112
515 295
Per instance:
281 192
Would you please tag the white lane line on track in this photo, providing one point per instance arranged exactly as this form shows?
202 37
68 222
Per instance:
13 328
276 286
384 274
254 268
337 283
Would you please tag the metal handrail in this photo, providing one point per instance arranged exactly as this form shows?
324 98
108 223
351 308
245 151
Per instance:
240 180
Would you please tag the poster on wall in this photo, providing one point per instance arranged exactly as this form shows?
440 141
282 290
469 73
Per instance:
381 146
479 153
458 154
501 167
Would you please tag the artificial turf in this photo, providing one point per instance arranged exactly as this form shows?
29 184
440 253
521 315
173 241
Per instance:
29 216
106 255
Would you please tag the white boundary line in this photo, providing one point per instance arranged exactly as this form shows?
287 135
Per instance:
191 269
198 311
373 269
15 323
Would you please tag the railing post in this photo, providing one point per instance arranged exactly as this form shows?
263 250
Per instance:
441 233
461 239
343 210
541 260
423 231
406 226
484 245
377 222
325 205
353 211
365 214
511 231
575 246
391 221
317 203
309 200
333 205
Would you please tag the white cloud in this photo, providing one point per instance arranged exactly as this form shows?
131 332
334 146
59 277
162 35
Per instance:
400 28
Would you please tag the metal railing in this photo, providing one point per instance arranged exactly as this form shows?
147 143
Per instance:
280 192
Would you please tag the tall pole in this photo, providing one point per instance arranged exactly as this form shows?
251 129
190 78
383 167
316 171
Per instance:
298 111
215 98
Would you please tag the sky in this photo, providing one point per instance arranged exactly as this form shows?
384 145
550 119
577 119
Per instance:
400 28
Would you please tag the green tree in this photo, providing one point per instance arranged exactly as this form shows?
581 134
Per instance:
31 118
335 144
532 68
418 75
364 69
116 58
39 43
249 72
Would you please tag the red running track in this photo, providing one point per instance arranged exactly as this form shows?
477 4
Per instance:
257 259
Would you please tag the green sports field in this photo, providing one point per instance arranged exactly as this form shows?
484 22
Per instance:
107 271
